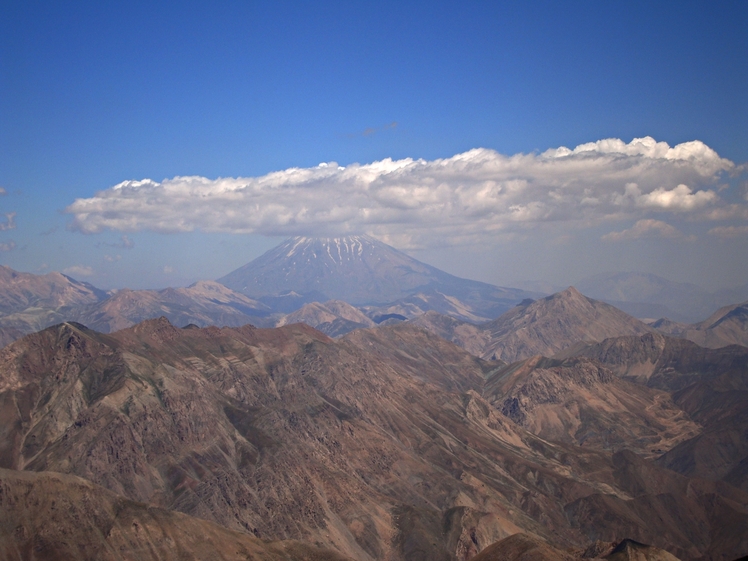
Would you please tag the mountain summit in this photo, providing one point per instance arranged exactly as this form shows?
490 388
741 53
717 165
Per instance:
359 270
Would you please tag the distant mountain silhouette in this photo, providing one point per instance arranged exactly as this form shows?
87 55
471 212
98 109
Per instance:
361 270
203 303
726 326
645 295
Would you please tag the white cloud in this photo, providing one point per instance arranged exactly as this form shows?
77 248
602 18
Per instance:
680 198
79 271
8 246
729 231
728 212
168 269
476 194
645 228
112 258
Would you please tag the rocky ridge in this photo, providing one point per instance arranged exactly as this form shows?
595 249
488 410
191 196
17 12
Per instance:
333 318
537 327
380 444
726 326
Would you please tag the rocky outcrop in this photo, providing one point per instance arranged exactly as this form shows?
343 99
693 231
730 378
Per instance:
710 385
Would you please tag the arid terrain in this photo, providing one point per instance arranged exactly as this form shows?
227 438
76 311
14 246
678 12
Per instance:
388 443
562 429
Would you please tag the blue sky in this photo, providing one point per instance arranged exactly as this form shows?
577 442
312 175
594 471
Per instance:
93 94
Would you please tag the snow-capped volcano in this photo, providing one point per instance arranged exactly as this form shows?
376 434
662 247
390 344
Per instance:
359 270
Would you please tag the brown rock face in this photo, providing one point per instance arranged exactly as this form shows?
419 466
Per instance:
524 547
380 445
50 516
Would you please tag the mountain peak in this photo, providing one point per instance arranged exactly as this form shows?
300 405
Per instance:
335 248
358 269
554 323
570 292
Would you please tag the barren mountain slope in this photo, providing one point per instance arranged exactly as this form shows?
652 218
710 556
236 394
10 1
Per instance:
554 323
524 547
50 516
54 298
31 302
203 303
711 385
539 327
19 291
378 444
467 335
471 309
580 401
726 326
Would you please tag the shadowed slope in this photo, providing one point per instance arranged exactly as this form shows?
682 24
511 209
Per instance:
524 547
711 385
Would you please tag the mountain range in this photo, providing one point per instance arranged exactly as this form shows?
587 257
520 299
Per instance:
357 269
369 283
648 296
537 327
386 443
359 404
